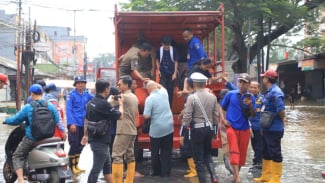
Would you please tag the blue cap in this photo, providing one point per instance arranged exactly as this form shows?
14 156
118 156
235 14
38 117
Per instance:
51 87
36 88
78 79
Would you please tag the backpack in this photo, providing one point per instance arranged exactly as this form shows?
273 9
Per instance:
42 121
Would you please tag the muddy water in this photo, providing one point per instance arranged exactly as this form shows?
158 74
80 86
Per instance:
303 151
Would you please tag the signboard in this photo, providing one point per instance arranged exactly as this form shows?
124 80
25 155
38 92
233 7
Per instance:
308 65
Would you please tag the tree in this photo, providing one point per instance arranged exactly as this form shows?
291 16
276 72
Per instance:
279 15
104 60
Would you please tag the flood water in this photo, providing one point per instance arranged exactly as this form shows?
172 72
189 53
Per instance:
302 145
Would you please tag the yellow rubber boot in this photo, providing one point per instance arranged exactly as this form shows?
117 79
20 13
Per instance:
191 166
276 172
117 172
266 171
77 162
130 172
72 160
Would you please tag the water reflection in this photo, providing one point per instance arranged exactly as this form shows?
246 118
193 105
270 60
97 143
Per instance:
303 148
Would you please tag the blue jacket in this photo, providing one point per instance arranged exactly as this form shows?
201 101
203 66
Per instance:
256 119
25 114
76 107
196 51
274 102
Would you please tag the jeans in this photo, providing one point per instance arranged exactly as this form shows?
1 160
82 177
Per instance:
161 162
101 161
167 82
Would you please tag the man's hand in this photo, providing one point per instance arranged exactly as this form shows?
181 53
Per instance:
225 122
73 128
174 76
181 141
84 140
64 135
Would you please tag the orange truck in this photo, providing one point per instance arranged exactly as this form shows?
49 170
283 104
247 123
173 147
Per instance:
206 25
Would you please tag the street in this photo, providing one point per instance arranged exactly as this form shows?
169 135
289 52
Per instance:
303 153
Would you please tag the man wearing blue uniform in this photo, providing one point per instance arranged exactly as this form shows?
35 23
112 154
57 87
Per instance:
272 155
195 48
76 103
256 134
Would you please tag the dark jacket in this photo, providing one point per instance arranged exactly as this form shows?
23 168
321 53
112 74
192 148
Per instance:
101 110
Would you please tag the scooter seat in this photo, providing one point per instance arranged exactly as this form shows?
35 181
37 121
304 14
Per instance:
47 140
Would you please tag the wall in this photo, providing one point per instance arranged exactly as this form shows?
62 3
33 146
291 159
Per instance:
315 80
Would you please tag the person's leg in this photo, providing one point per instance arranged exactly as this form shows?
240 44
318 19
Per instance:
257 145
266 162
80 134
234 151
130 159
276 155
155 158
197 142
170 90
20 156
119 149
136 155
107 169
166 149
75 149
207 155
100 156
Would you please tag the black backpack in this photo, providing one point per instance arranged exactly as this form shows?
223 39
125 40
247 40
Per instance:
42 121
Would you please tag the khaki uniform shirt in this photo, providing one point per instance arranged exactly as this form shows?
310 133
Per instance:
127 125
193 111
129 61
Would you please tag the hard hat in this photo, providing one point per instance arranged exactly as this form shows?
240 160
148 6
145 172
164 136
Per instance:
79 79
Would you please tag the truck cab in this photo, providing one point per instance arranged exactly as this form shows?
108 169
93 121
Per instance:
154 25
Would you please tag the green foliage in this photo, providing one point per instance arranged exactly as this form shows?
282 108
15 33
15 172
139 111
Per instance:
104 60
285 15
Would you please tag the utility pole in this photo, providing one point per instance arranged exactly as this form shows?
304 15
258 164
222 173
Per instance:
18 82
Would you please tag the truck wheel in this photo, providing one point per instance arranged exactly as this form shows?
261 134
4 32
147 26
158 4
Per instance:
54 177
9 173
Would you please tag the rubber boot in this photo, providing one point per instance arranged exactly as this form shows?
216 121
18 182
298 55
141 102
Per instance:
130 172
77 162
117 172
212 171
276 172
72 160
266 171
191 165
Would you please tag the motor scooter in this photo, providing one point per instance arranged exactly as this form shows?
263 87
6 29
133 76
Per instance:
47 162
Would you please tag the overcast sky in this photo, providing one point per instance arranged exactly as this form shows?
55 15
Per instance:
93 19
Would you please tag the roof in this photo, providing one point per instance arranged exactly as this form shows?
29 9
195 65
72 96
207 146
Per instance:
156 24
